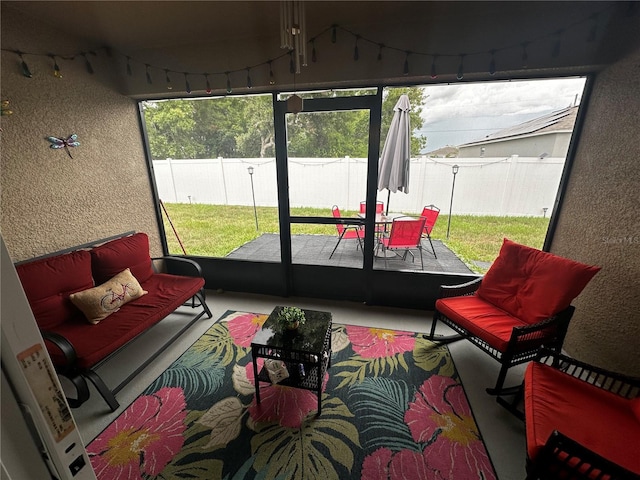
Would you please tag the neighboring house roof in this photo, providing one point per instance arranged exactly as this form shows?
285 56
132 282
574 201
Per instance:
560 120
445 152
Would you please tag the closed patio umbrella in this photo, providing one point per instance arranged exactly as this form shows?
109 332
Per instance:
393 170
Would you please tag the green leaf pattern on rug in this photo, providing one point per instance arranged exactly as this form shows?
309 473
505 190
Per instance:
433 357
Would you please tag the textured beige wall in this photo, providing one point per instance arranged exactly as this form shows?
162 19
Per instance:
50 201
600 222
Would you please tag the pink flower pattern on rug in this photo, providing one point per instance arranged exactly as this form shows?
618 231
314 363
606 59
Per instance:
144 439
243 328
379 342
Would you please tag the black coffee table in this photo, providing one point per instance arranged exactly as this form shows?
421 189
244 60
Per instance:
309 345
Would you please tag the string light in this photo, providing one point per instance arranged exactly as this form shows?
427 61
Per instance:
272 78
525 55
206 77
460 74
56 68
592 22
187 85
25 68
492 63
87 63
556 46
593 31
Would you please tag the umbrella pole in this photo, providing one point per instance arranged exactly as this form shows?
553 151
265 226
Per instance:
388 197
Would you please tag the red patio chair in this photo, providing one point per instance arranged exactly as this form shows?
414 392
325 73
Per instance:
430 214
379 207
345 231
405 234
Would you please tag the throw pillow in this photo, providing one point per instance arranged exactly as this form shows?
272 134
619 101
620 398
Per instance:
99 302
531 284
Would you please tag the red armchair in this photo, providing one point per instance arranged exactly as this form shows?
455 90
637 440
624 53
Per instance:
521 304
582 422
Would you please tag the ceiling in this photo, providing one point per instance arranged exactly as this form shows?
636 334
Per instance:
193 35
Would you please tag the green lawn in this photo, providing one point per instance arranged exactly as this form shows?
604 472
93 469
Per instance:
216 230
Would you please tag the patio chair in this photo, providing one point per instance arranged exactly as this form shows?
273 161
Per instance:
405 234
430 213
379 207
581 421
521 304
345 231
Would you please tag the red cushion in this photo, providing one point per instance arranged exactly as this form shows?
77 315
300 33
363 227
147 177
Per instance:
48 283
131 252
531 284
481 318
94 342
595 418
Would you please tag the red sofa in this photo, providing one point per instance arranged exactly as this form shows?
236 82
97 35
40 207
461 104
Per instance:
582 422
91 300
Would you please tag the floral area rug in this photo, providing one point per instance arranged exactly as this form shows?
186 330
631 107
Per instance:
392 408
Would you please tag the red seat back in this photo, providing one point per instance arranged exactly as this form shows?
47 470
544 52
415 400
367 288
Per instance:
406 233
379 207
336 214
430 214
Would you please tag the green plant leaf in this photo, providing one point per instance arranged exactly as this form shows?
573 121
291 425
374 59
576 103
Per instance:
432 357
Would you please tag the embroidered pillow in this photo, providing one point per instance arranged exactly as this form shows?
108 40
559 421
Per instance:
99 302
531 284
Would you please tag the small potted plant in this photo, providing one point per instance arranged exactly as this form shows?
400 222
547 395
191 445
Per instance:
291 317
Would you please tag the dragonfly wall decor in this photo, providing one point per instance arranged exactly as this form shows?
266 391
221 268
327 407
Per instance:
70 141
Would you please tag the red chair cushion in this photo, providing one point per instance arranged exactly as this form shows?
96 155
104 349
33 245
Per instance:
94 342
480 318
131 252
593 417
531 284
48 283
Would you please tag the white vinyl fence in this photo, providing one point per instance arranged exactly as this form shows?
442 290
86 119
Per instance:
512 186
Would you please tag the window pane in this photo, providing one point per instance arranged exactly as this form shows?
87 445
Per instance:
214 166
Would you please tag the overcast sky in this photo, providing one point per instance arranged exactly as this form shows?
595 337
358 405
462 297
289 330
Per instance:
461 113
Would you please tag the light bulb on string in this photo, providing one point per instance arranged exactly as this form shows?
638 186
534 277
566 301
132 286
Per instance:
314 55
56 69
405 69
25 68
434 73
87 63
229 90
460 74
380 47
356 52
492 63
593 31
334 34
249 82
555 51
272 78
148 74
129 71
187 85
525 55
169 85
208 89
